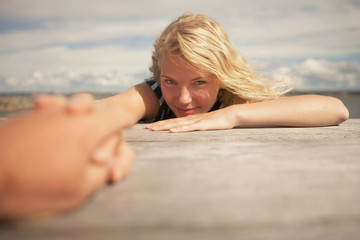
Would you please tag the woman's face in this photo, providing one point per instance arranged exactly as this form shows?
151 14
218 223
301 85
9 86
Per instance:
187 91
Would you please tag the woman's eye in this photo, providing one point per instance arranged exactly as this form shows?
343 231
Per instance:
200 82
169 81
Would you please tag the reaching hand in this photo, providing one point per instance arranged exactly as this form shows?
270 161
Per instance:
113 151
46 163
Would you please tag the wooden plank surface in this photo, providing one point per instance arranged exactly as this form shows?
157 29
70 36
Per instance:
251 183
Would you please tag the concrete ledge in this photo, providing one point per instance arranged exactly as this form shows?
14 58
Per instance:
251 183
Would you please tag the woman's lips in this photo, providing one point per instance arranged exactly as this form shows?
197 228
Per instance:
186 111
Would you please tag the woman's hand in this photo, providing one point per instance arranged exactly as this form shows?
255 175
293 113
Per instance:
219 119
112 151
46 163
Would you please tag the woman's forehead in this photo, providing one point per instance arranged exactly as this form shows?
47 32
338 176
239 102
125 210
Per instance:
168 64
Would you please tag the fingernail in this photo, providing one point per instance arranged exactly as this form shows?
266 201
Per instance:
148 126
41 96
40 100
101 156
118 174
74 104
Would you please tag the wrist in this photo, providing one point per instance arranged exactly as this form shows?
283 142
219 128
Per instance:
237 115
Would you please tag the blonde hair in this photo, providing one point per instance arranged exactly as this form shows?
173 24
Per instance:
201 43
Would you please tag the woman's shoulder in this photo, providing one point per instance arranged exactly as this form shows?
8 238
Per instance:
154 87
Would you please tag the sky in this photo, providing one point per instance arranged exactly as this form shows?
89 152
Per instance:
105 46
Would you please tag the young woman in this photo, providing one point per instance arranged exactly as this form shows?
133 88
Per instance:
200 82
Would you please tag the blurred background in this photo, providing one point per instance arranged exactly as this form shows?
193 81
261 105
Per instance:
105 46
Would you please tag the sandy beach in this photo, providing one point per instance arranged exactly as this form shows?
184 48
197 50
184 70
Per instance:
15 103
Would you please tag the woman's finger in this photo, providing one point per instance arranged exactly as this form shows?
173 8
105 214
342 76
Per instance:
47 101
122 164
167 124
104 153
184 128
76 104
80 103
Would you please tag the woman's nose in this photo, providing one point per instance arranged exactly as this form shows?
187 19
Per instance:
185 96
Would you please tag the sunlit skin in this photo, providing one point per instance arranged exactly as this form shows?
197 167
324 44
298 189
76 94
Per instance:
187 91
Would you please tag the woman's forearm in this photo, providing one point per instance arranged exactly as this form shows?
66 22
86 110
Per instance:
303 110
116 108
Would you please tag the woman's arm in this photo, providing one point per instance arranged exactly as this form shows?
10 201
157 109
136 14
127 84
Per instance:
139 102
127 108
46 161
300 111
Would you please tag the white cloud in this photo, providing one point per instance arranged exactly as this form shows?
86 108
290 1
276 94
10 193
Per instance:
302 29
110 68
322 75
77 33
54 59
67 81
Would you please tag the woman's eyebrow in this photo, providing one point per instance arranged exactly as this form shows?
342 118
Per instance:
165 76
197 78
194 79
